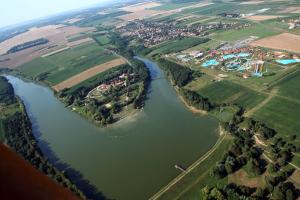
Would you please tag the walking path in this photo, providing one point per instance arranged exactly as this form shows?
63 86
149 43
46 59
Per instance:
192 167
262 104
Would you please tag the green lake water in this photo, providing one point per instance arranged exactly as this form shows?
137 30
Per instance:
135 157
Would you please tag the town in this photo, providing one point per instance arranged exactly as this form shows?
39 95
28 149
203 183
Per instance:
152 33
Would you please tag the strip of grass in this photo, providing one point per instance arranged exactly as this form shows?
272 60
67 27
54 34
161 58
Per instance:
190 186
102 39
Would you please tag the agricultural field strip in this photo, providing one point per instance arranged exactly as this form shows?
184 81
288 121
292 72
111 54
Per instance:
88 74
192 167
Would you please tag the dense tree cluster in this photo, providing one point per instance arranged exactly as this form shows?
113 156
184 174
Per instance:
27 45
6 92
196 100
179 74
230 191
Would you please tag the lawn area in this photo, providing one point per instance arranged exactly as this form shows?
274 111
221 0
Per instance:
257 30
282 115
67 63
189 187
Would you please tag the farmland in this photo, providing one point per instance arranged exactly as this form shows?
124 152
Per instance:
58 67
74 80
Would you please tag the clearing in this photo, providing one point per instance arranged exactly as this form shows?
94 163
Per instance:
284 41
88 74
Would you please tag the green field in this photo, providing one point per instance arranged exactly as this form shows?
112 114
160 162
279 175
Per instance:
257 30
282 115
190 186
229 92
289 86
67 63
176 45
102 39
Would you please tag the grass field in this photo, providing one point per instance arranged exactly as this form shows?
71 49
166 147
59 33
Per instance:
257 30
282 115
229 92
102 39
190 186
176 45
289 86
67 63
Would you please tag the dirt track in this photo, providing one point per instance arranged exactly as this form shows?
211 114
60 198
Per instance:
88 74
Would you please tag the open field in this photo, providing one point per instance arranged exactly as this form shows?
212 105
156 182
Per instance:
63 65
241 177
56 34
229 92
257 30
263 17
280 114
88 74
284 41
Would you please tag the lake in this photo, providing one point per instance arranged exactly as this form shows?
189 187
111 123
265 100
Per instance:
135 157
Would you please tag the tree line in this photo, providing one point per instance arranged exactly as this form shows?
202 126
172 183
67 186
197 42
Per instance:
18 135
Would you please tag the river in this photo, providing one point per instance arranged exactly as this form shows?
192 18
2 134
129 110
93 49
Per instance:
135 157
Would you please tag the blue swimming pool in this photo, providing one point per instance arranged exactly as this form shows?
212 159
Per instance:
210 63
228 56
288 61
239 55
243 55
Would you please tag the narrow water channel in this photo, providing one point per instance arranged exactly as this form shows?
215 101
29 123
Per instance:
135 157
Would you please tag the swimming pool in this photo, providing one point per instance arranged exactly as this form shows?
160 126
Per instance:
210 63
288 61
228 56
239 55
243 55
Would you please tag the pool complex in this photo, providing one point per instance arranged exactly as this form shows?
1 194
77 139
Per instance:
239 55
288 61
210 63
